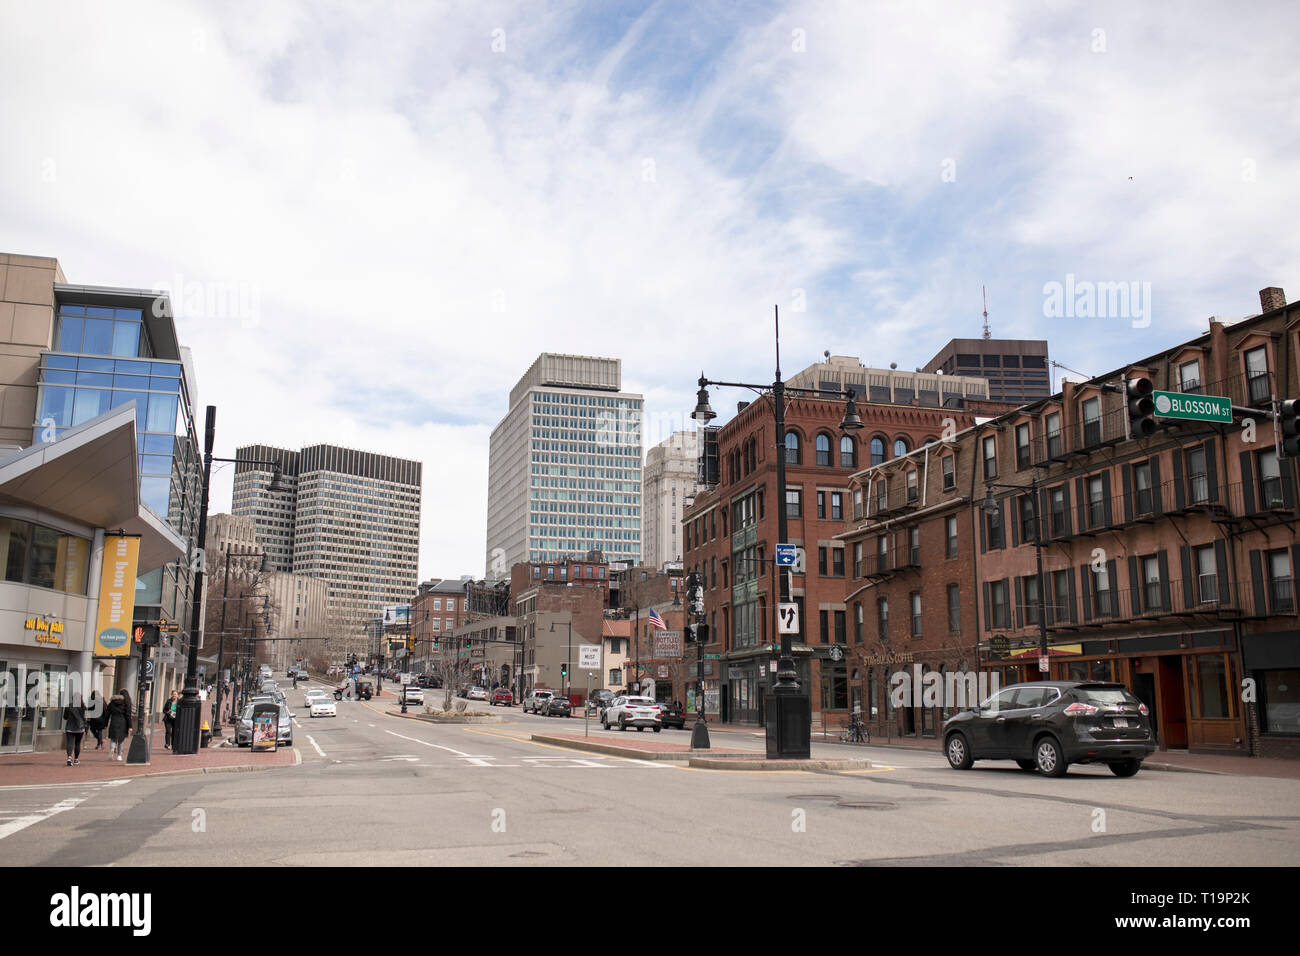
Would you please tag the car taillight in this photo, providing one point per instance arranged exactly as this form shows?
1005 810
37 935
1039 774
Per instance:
1079 709
1142 709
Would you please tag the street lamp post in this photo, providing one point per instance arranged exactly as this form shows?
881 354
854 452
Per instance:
789 720
990 506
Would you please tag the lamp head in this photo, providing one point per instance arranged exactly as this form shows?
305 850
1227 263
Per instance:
851 422
703 414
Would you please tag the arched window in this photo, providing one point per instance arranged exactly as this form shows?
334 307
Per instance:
791 448
877 451
848 452
900 448
823 450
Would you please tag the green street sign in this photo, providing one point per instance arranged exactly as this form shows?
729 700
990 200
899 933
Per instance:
1195 408
713 657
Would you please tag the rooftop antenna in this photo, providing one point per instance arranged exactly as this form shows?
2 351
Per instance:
985 295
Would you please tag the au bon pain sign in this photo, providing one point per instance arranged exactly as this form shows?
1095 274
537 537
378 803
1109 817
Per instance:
116 596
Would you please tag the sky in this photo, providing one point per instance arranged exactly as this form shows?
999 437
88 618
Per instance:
373 217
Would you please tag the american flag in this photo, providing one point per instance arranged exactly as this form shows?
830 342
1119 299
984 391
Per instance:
657 621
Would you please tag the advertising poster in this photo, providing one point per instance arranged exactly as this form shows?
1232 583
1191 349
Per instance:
116 596
266 721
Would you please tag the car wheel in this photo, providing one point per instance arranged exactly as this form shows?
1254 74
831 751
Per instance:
1125 768
958 751
657 729
1026 765
1048 758
622 724
639 729
604 725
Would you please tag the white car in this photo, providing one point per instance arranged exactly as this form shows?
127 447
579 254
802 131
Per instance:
323 707
312 695
412 694
538 699
638 712
476 693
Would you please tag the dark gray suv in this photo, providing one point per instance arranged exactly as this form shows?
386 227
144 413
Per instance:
1048 725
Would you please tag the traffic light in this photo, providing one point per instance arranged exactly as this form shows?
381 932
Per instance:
690 633
1287 421
147 635
564 670
410 643
702 633
1141 407
694 593
467 643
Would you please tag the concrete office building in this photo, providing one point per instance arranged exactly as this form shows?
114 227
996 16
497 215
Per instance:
1016 369
564 466
670 478
889 385
349 517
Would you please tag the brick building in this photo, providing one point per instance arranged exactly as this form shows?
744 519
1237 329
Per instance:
730 531
1169 561
554 618
439 607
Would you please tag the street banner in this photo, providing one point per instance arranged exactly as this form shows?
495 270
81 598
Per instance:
116 596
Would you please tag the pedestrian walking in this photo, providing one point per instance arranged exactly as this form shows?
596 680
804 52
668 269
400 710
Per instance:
96 718
169 719
74 728
119 723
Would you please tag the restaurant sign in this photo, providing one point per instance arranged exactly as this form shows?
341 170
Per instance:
47 632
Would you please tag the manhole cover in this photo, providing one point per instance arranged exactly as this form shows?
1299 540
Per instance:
867 805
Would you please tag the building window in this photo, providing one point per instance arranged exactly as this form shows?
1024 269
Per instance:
1092 421
837 506
791 448
1056 499
1096 502
1207 575
950 527
1026 506
848 452
1022 446
954 608
1151 589
877 451
882 495
914 547
43 557
821 504
1103 595
839 627
1280 592
823 450
994 529
949 477
857 559
1030 587
912 490
821 561
1270 481
1189 377
1280 700
857 624
1257 384
1198 480
1052 430
882 553
900 448
882 617
837 562
1144 499
1001 606
990 446
857 504
916 613
793 507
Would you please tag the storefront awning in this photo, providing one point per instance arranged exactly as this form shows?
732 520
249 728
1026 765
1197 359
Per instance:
89 476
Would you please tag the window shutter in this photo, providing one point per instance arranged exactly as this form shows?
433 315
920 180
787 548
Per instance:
1158 495
1134 585
1257 583
1072 613
1044 531
1189 592
1126 482
1020 602
1065 490
988 618
1180 491
1085 572
1247 482
1113 581
1212 470
1163 558
1049 598
1288 493
1003 509
1081 502
1221 571
983 531
1107 512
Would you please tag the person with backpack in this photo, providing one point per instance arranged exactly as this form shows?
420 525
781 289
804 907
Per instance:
74 728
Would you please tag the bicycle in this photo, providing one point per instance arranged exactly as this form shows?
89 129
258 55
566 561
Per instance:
856 733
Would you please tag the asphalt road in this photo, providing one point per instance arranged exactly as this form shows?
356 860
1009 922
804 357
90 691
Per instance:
378 790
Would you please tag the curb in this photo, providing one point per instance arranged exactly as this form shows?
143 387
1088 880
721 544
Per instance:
716 763
613 750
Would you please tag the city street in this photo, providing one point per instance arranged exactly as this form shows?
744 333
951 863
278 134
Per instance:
379 790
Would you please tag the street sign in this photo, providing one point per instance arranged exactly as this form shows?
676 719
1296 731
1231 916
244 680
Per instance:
785 555
787 616
589 657
713 657
1195 408
148 668
1042 664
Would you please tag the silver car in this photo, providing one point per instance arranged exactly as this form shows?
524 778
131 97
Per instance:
244 730
638 712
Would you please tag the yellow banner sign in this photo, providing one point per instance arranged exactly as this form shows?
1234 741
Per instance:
117 596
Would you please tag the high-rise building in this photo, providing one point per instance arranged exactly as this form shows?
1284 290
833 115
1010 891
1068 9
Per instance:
671 471
564 466
1016 369
350 517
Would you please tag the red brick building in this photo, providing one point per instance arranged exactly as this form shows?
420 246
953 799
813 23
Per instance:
1169 561
731 529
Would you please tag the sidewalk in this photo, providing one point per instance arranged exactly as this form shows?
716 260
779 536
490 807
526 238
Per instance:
51 767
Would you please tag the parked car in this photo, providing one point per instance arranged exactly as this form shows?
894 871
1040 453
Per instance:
244 729
557 706
638 712
672 713
504 696
534 702
477 693
1048 725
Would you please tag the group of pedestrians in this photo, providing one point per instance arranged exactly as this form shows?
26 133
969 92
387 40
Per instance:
114 719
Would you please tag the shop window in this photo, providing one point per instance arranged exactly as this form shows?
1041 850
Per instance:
1280 701
1208 674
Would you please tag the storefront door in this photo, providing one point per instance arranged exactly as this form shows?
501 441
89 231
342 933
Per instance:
17 720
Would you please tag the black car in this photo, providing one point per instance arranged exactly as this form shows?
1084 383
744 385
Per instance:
673 714
1048 725
557 707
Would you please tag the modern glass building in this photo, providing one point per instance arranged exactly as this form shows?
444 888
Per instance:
115 346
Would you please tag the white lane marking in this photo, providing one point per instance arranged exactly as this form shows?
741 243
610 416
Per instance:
22 823
316 745
371 725
458 753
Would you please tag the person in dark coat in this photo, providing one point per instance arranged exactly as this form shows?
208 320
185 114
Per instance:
96 718
74 728
119 723
169 718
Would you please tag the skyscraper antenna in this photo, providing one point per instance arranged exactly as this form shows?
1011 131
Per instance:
985 295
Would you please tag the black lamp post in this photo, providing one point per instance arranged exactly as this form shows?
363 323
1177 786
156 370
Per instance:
568 661
990 506
185 739
789 721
